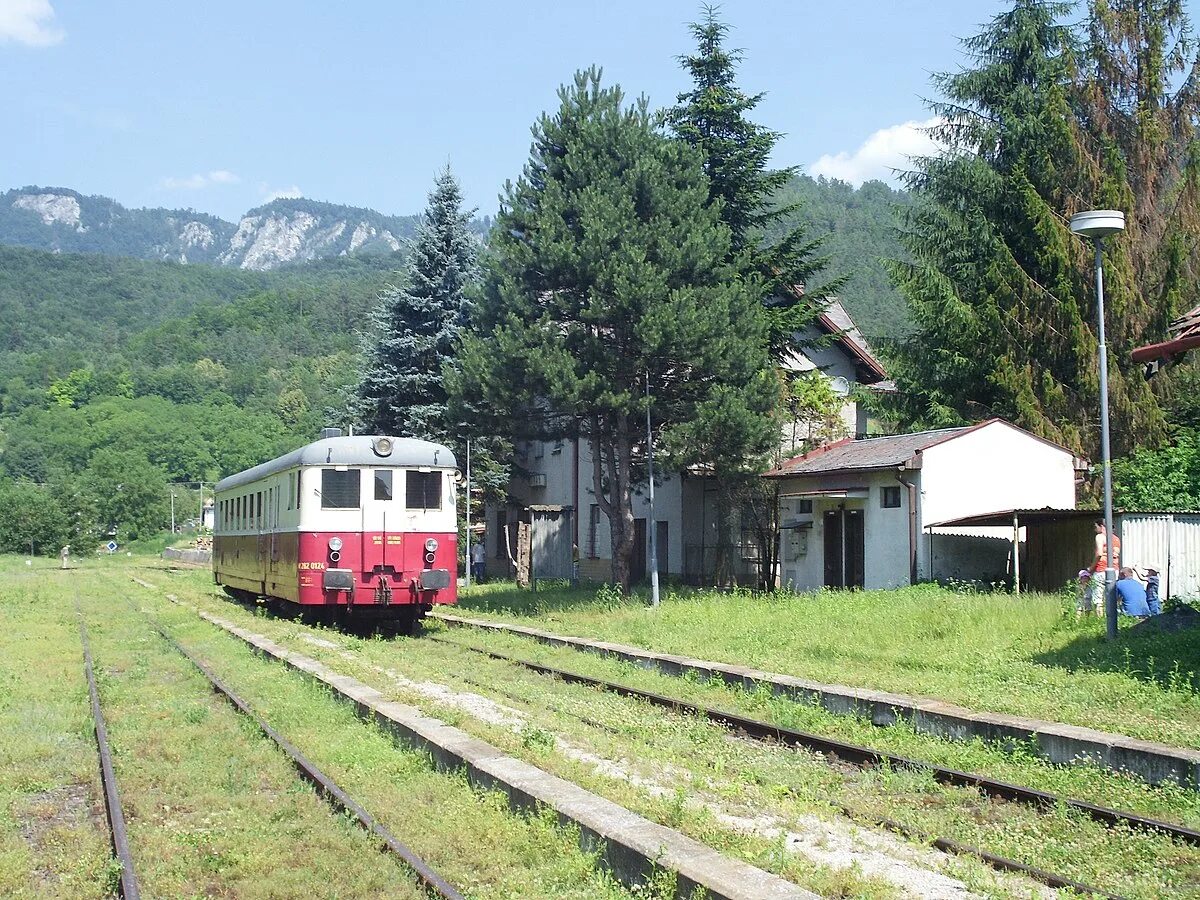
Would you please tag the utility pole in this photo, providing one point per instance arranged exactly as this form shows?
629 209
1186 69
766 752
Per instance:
172 511
467 580
653 526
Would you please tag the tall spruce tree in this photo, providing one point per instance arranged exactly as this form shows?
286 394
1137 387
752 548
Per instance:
736 152
1141 99
999 290
608 264
714 118
416 326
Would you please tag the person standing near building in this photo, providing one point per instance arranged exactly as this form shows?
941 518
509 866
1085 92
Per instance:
478 560
1100 564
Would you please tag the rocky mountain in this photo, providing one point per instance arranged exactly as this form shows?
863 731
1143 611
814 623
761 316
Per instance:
283 231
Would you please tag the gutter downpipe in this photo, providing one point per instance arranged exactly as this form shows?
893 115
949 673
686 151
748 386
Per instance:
912 525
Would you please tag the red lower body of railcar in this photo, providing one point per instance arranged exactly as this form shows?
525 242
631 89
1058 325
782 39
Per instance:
377 572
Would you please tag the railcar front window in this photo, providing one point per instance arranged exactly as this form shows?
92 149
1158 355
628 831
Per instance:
340 489
383 484
423 490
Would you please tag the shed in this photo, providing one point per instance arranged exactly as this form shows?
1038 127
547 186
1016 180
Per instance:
1054 544
854 512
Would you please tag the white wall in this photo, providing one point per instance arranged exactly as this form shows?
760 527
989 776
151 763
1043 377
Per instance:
556 460
992 468
996 467
886 538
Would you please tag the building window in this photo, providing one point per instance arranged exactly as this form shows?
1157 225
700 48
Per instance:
383 484
593 531
804 507
889 497
423 490
340 489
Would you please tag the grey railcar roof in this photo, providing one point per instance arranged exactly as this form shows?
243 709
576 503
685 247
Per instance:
349 451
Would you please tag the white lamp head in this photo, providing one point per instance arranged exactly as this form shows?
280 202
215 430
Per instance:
1098 223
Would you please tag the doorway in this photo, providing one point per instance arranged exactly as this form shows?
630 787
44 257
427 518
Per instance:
662 549
638 565
845 548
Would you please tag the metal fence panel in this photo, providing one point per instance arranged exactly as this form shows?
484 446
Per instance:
1146 540
1185 556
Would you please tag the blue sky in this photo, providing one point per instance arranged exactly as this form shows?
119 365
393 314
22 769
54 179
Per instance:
220 105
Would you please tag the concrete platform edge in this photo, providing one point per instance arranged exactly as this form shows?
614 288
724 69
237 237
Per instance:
1055 741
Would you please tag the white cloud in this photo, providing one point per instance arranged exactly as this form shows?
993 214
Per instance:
289 193
199 180
28 22
880 155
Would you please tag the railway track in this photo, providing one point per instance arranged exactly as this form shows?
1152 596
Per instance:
862 757
856 754
325 786
128 883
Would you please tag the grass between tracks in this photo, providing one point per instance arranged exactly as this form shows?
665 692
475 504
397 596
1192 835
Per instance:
698 763
1024 655
212 807
52 837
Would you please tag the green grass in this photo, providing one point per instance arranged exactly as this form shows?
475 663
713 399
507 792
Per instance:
700 763
52 838
1026 656
213 808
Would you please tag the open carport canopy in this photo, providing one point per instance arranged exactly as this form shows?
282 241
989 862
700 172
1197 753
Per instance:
1023 516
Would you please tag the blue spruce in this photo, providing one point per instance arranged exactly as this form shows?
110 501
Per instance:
416 326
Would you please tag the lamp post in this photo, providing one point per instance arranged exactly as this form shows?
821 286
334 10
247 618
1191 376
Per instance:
653 525
467 568
1097 225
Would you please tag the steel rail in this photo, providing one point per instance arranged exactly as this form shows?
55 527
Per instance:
857 754
1000 863
108 779
325 786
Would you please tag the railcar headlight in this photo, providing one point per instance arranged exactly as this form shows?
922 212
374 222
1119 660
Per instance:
335 544
383 446
431 544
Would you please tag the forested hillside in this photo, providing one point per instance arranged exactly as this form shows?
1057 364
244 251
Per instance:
119 376
859 228
116 370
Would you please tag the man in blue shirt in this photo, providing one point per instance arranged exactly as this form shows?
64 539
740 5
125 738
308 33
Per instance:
1131 596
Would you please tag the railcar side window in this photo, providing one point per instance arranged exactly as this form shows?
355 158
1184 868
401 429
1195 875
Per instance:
423 490
383 484
297 490
340 490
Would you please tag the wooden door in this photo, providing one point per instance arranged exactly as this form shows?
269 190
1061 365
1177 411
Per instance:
638 565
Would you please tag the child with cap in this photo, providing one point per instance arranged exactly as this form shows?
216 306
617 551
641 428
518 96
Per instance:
1150 573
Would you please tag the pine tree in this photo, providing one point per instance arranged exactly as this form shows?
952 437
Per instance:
999 290
607 265
417 326
712 117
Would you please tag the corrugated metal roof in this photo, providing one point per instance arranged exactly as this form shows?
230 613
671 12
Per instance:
868 453
1050 514
358 450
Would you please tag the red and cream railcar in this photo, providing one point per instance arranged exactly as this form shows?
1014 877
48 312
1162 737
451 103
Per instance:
361 526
